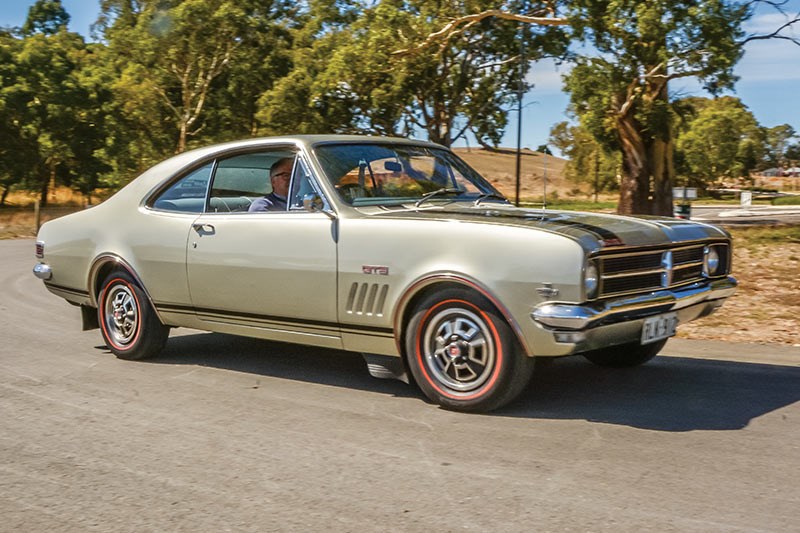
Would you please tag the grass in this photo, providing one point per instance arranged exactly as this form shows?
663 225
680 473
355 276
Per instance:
787 200
754 236
569 204
20 222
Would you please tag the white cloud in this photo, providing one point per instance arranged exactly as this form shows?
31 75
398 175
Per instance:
770 60
546 76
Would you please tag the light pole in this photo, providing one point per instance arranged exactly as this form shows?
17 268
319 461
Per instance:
596 173
520 92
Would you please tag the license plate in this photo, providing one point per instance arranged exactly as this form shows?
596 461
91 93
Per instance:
659 327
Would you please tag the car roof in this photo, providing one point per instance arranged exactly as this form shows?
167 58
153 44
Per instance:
144 183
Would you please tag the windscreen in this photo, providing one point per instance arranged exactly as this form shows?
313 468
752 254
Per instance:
372 174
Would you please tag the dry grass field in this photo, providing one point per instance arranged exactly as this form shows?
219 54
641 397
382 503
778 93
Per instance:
500 169
766 308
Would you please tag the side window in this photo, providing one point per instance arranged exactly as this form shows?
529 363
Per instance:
302 184
244 180
188 194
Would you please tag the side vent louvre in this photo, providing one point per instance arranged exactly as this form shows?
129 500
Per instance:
367 299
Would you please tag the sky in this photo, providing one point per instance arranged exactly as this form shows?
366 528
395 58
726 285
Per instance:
769 73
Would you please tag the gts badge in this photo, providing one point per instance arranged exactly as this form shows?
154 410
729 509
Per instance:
375 269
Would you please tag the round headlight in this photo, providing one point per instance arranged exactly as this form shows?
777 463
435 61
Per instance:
711 261
591 281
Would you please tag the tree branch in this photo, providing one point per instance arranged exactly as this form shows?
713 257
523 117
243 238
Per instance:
775 34
455 26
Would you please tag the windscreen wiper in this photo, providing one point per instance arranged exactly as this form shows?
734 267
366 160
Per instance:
437 192
488 195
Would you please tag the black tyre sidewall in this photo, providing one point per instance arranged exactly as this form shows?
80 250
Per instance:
511 370
150 334
625 355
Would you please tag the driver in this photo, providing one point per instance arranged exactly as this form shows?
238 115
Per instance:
280 173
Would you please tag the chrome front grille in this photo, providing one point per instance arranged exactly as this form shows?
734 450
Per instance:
650 270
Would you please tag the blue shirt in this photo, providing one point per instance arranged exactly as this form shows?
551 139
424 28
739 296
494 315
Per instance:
271 202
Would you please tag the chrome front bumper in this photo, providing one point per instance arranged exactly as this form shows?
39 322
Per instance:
570 317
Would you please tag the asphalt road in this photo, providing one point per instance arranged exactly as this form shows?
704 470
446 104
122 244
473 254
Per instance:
228 434
757 214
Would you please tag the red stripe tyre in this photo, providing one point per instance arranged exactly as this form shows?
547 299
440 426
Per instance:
463 354
128 323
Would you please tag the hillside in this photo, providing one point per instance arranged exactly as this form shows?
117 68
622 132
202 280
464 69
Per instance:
500 169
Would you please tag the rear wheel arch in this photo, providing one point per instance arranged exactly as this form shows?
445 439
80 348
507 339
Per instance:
128 322
106 264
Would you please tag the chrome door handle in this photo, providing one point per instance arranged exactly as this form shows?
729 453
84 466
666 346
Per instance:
204 229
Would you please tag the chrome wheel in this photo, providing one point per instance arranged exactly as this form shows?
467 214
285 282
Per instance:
462 353
128 322
459 350
121 314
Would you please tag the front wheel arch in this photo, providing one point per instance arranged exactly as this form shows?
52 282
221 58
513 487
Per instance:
482 366
422 289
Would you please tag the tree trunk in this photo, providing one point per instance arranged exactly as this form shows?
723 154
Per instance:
647 160
634 190
661 157
182 138
5 195
663 172
43 192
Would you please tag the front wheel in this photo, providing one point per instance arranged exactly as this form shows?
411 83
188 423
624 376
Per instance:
128 323
463 355
625 355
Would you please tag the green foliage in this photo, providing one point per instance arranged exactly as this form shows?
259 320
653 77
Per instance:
621 94
47 17
370 76
778 147
172 65
167 75
721 140
50 113
792 154
588 161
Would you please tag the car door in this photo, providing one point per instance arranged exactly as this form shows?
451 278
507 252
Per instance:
271 273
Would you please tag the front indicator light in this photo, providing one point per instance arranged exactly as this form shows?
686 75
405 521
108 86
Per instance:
591 281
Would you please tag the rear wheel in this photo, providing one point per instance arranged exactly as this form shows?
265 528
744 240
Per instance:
625 355
128 323
463 354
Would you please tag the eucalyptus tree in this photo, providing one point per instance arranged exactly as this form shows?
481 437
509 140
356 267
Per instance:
49 115
720 140
361 69
13 148
588 162
172 54
779 139
631 51
304 97
467 81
